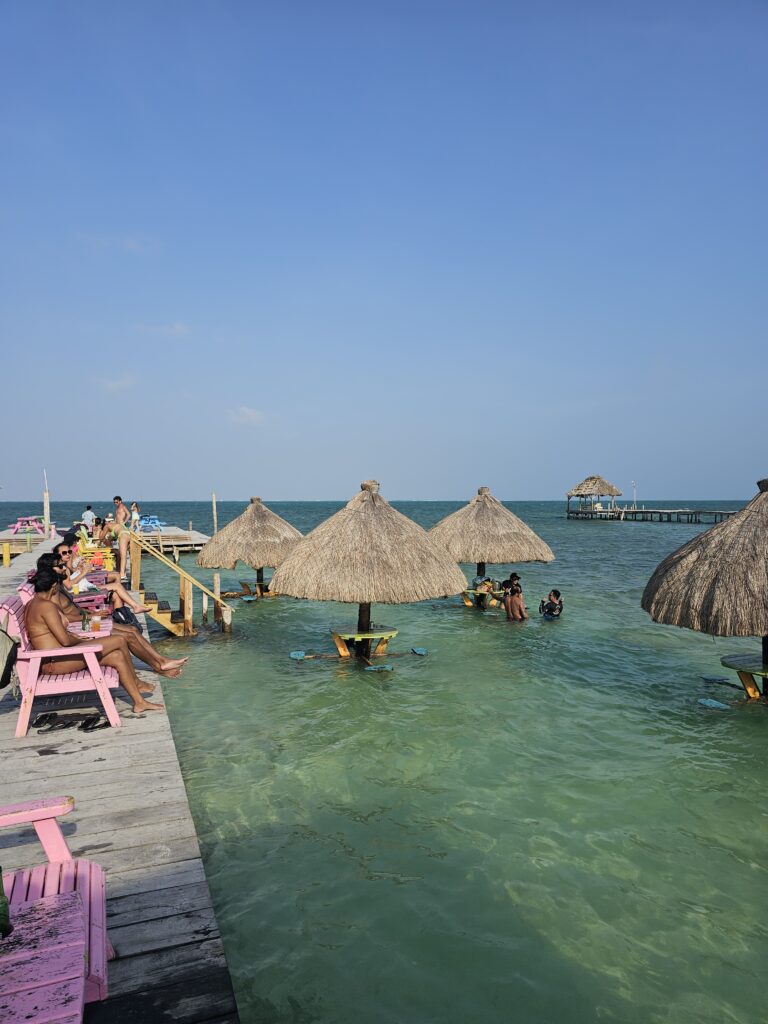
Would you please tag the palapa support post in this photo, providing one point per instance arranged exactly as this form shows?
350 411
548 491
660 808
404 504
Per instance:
481 568
765 651
363 647
135 551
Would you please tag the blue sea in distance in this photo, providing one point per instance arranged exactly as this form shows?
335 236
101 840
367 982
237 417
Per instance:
536 822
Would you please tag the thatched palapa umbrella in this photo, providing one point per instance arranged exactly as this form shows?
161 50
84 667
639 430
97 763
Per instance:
594 488
717 583
368 553
257 537
484 531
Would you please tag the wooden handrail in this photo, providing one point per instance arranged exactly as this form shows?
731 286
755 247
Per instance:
150 549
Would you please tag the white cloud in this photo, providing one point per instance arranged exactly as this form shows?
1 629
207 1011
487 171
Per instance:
246 417
174 330
112 384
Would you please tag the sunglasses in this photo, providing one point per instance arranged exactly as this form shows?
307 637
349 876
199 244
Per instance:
64 551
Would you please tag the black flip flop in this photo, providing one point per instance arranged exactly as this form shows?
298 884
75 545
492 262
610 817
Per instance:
44 718
94 725
56 726
88 722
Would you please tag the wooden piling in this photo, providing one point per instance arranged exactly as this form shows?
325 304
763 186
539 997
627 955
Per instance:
135 550
189 607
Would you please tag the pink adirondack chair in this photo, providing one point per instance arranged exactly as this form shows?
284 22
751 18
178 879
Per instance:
43 962
34 684
62 874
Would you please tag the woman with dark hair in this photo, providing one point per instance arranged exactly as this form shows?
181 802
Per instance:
77 570
137 645
47 629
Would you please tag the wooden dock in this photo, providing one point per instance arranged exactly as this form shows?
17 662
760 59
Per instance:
132 816
653 515
19 543
172 539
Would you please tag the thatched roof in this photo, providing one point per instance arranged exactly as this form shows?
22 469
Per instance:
258 537
368 553
717 583
594 486
485 531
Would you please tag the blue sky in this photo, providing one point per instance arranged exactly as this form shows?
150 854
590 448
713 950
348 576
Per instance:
281 248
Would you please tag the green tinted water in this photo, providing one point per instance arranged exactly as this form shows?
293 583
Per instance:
535 822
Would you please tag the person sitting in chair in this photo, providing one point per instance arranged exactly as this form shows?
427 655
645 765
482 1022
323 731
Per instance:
552 606
77 570
137 645
47 630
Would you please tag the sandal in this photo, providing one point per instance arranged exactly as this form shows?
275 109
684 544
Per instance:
56 726
45 718
92 723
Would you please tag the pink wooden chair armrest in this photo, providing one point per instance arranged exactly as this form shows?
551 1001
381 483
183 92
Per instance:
61 652
36 810
42 814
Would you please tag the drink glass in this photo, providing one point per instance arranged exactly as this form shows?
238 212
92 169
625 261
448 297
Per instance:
96 624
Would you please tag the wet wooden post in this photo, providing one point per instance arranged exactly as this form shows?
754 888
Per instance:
226 620
205 607
6 554
135 550
189 607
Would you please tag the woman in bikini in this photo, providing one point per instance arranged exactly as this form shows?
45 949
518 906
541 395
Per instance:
47 629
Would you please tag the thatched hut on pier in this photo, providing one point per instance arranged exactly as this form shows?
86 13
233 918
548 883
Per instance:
483 531
368 553
717 583
590 491
259 537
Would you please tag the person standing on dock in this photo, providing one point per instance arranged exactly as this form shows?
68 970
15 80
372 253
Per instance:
122 517
88 518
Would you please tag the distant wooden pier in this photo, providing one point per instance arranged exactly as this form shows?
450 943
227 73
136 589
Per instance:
652 515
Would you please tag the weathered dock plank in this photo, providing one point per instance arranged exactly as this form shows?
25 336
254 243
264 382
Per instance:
132 816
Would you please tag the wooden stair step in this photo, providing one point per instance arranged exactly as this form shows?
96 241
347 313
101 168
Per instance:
177 616
163 606
149 597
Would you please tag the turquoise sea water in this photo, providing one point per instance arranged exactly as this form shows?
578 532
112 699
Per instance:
536 822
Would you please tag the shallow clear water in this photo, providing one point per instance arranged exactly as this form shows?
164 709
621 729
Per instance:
535 822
